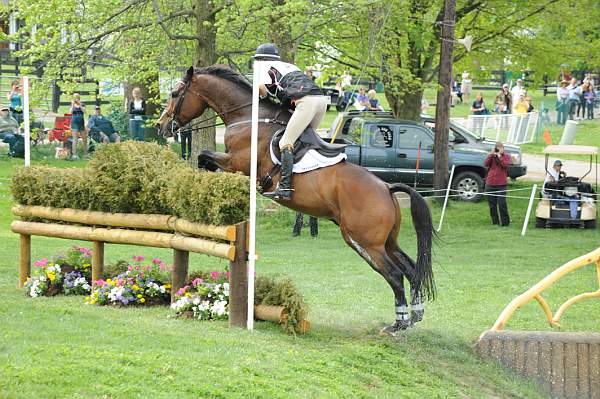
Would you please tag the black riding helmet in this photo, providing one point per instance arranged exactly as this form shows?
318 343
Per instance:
267 51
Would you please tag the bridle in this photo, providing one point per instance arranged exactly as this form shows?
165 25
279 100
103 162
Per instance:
174 116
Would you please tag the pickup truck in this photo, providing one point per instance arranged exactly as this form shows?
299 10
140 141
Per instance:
390 147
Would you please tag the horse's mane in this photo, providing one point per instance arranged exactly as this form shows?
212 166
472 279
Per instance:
225 72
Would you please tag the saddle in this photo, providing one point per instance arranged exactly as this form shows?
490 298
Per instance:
308 140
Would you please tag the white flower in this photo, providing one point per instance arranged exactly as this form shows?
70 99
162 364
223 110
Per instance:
196 301
219 308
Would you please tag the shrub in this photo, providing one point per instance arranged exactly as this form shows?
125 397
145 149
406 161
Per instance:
137 177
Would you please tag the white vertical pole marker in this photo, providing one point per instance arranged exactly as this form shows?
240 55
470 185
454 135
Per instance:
529 209
26 119
252 222
446 199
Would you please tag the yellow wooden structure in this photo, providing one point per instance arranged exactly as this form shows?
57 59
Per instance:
536 291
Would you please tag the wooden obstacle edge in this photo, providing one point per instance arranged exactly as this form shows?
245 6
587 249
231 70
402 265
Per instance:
565 364
235 251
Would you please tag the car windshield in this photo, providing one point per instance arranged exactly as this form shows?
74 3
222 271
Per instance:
455 130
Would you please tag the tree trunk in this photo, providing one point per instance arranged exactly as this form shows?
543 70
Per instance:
204 138
405 105
442 110
281 34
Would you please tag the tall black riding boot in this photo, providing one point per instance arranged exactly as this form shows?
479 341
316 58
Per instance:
283 192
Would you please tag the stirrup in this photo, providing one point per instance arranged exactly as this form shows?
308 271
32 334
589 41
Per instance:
280 194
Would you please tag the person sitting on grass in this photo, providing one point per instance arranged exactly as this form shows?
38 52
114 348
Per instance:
102 129
362 100
374 104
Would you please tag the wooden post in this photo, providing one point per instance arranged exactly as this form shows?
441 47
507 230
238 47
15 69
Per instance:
238 282
97 260
25 259
181 260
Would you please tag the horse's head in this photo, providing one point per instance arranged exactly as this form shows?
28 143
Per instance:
184 104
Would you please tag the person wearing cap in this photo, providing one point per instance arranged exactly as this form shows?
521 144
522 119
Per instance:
286 83
554 175
101 128
516 92
9 128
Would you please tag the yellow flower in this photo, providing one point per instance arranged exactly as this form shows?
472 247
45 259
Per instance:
142 300
139 295
168 285
188 294
136 287
109 281
51 276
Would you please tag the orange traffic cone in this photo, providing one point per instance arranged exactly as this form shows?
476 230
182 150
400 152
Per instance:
546 136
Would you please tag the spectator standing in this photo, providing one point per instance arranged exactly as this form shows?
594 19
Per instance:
185 139
466 86
515 93
503 100
346 80
101 128
574 97
137 114
496 180
562 102
313 222
590 97
16 101
478 108
77 111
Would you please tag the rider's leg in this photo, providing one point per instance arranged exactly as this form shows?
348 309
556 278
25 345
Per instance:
309 111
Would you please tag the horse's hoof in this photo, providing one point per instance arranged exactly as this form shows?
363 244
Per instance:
396 328
416 316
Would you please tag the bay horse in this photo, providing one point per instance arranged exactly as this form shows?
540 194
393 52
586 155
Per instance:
362 205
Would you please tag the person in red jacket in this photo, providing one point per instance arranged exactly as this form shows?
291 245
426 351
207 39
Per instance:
495 183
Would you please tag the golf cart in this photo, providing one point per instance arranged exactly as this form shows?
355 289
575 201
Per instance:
569 201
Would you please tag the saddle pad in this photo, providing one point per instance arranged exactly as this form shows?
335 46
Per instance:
310 151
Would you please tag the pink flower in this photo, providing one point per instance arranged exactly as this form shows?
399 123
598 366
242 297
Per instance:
147 268
214 275
100 283
162 267
41 262
228 274
85 251
129 268
138 258
197 281
182 290
156 261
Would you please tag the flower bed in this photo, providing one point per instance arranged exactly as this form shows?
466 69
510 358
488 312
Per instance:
69 274
140 284
204 299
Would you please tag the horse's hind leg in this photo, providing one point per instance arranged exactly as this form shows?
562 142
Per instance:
383 264
417 308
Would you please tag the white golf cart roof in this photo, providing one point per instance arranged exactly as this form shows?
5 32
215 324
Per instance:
571 149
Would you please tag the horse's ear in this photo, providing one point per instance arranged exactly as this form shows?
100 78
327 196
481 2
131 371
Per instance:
190 72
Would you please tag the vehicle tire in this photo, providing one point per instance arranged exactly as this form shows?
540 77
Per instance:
540 223
589 224
469 186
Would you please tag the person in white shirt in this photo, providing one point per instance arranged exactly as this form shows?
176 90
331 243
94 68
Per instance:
553 175
516 92
293 89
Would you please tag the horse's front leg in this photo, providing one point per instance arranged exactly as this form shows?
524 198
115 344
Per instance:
213 161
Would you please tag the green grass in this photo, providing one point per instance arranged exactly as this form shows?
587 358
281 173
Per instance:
59 347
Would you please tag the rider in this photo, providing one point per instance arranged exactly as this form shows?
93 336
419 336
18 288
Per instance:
293 89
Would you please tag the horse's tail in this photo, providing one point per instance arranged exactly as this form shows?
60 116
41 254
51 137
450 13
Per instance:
421 216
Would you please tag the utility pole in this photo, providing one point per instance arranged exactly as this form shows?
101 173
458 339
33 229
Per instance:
442 108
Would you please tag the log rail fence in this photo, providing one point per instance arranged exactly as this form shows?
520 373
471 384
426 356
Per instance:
159 231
